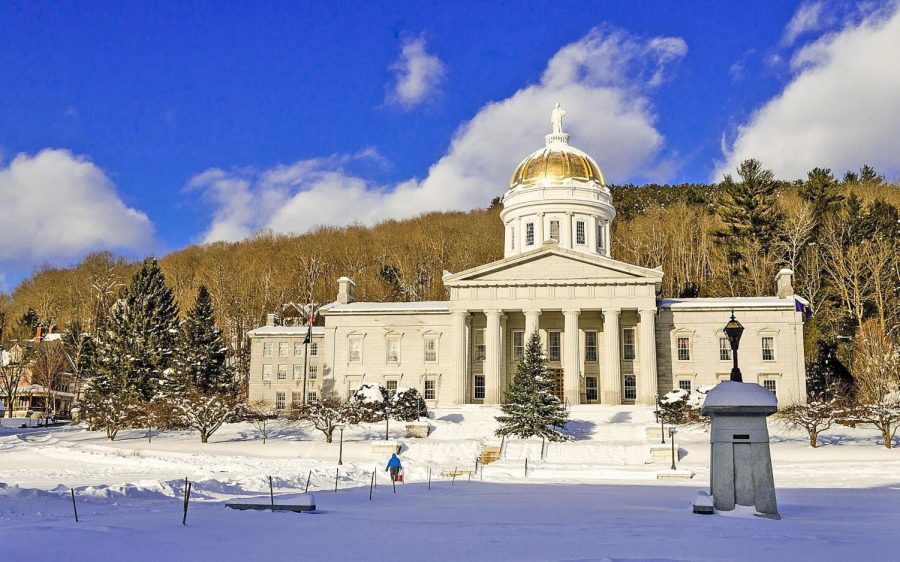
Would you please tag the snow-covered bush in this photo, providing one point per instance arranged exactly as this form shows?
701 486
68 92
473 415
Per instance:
326 414
370 402
408 405
679 406
816 416
208 412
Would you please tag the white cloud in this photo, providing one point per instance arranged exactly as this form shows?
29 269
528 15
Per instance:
417 74
58 206
809 17
841 108
602 80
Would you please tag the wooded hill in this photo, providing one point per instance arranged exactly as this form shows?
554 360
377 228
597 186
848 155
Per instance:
840 237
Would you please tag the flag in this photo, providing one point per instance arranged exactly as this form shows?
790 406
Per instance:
308 338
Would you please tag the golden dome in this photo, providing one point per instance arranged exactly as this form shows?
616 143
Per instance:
555 163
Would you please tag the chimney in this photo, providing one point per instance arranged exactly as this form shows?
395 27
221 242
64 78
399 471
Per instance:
345 290
784 283
270 319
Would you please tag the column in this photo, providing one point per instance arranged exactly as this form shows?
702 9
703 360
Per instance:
503 380
608 240
492 357
572 380
539 230
459 356
647 345
520 236
611 388
565 231
532 323
590 234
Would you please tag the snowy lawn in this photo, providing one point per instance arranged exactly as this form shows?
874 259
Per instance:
464 521
592 498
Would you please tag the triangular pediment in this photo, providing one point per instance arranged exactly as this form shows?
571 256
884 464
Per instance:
554 264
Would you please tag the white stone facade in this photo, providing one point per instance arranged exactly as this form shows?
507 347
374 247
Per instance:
608 338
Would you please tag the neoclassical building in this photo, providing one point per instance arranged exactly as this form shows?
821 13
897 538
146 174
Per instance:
608 338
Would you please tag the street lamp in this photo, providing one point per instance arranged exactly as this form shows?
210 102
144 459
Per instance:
733 330
340 426
656 409
672 439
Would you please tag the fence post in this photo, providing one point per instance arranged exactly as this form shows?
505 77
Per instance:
526 467
307 482
271 494
429 477
187 500
335 479
371 485
74 508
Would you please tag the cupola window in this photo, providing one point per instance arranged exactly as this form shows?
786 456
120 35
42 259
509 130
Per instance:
579 232
554 230
529 234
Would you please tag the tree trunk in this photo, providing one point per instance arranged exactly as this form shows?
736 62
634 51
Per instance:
886 433
328 435
813 438
204 437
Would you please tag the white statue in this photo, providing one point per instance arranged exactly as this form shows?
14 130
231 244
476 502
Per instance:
556 118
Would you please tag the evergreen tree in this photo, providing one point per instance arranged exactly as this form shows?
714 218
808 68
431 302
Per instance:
822 192
202 362
531 409
140 342
867 174
749 209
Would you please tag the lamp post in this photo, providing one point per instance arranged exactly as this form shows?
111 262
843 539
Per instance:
672 439
340 426
733 330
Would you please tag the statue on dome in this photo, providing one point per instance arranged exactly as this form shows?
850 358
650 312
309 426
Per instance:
556 118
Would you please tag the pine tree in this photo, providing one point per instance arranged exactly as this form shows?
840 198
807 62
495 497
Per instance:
531 409
822 192
750 210
202 362
140 341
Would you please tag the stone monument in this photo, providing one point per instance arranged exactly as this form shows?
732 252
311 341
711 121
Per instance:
741 462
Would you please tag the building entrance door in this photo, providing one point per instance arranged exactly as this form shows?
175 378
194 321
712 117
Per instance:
556 375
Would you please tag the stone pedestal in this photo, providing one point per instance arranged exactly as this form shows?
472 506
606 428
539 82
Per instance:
741 463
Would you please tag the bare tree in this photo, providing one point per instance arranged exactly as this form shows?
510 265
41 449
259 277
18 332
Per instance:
324 415
814 417
49 369
259 412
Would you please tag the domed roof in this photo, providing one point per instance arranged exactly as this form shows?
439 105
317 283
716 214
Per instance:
557 161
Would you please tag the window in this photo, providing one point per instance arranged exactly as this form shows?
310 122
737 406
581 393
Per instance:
579 232
313 372
480 349
529 234
518 342
684 384
431 350
314 349
355 350
600 235
312 397
684 349
298 349
282 372
296 398
267 372
724 349
391 387
554 230
283 349
267 349
553 345
628 344
392 350
590 347
279 400
770 385
429 389
478 387
631 387
590 388
768 348
298 372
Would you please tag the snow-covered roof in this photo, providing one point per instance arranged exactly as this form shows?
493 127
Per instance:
317 331
729 394
729 303
388 307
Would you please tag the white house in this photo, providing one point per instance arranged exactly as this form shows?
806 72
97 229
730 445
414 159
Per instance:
607 336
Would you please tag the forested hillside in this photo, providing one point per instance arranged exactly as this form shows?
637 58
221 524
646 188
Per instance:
839 235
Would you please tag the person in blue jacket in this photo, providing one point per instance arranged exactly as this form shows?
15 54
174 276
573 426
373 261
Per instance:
394 466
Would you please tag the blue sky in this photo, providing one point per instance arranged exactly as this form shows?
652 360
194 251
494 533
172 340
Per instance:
144 127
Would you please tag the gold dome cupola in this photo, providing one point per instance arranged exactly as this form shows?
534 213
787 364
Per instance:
558 194
557 162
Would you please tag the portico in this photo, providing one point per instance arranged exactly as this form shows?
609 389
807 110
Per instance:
579 304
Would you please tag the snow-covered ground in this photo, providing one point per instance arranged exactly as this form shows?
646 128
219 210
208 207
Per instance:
592 498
